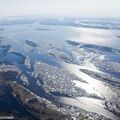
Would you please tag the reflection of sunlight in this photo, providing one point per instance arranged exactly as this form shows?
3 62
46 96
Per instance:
97 36
94 86
89 88
88 104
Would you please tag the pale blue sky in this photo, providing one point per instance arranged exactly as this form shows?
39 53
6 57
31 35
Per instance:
81 8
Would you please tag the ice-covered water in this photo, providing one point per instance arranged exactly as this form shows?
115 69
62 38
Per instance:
49 46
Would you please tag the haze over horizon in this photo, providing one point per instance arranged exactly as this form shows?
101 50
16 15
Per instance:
79 8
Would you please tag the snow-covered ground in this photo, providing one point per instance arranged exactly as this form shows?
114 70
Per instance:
53 58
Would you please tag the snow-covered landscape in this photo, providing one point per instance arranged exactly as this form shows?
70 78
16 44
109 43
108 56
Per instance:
72 65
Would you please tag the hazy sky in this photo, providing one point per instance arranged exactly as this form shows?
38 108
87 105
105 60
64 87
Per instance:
81 8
